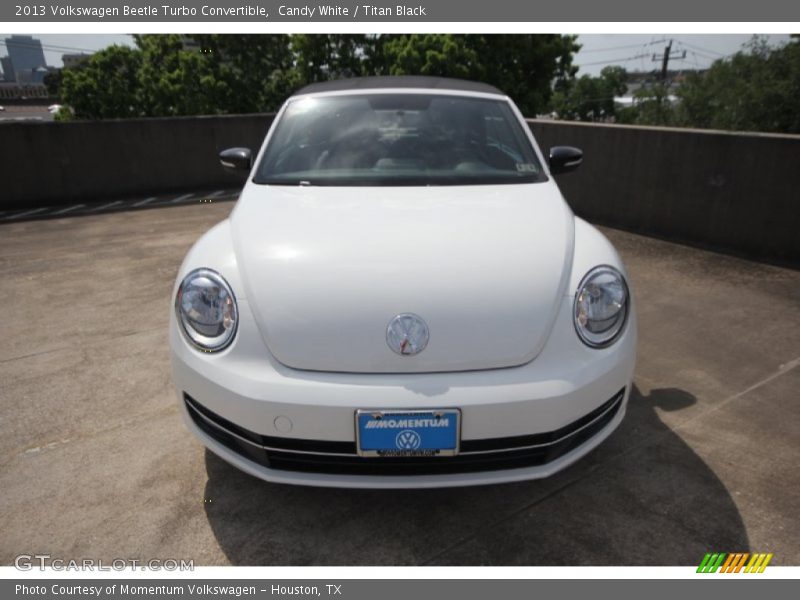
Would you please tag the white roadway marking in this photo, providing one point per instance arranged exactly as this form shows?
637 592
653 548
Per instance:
782 370
9 217
25 214
109 205
66 210
181 198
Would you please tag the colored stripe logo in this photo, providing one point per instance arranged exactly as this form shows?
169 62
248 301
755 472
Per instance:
736 562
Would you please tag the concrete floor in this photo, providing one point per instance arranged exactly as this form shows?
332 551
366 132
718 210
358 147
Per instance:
95 462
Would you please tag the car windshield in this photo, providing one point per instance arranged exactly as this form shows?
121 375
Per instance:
395 139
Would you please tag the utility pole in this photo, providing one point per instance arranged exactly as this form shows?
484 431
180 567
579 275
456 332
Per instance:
662 91
665 61
664 58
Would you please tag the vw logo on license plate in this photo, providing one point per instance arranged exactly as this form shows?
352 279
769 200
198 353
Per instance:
408 440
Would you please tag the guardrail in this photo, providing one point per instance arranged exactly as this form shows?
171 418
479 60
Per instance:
736 192
46 164
731 191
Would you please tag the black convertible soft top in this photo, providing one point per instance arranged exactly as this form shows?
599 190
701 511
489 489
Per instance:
410 81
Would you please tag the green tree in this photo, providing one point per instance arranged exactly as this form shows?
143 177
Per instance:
654 104
529 67
590 98
756 89
525 67
105 86
436 55
164 75
178 81
257 69
52 81
331 56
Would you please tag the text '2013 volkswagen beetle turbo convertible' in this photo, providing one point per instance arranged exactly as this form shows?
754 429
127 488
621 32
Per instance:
401 297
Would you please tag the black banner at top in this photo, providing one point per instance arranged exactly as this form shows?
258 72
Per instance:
408 11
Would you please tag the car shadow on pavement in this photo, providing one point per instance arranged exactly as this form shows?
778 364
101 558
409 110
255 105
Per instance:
643 497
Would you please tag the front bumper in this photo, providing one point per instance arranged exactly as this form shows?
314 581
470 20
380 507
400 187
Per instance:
480 461
290 426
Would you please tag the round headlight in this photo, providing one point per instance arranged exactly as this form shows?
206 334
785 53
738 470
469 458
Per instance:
601 306
206 309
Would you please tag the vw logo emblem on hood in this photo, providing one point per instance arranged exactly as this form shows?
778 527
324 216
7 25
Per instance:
407 334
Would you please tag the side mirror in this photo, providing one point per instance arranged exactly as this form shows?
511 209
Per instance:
564 159
236 159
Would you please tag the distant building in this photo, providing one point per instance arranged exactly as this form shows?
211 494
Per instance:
24 67
18 91
32 76
189 43
636 80
9 75
25 52
73 60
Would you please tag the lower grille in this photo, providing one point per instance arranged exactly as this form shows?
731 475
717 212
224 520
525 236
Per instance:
316 456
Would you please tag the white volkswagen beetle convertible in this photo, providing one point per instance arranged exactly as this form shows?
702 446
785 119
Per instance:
402 298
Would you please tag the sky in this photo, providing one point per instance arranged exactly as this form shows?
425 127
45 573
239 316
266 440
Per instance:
634 52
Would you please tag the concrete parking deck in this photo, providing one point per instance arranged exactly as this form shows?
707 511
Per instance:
95 462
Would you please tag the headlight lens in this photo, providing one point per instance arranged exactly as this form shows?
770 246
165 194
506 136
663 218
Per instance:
601 306
206 309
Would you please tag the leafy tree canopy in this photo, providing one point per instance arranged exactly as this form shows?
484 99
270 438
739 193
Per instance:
589 98
526 67
105 86
757 89
164 75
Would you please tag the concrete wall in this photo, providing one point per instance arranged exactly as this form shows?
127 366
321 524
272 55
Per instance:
42 164
734 192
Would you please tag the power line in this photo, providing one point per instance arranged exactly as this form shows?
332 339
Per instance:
50 47
712 58
699 52
626 47
665 58
693 47
613 61
620 60
694 60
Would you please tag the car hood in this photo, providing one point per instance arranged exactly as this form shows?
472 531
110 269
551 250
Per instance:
325 269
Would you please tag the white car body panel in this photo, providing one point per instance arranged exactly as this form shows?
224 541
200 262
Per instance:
483 265
318 273
402 482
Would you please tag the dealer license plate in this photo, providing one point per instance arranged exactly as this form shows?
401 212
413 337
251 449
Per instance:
408 433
